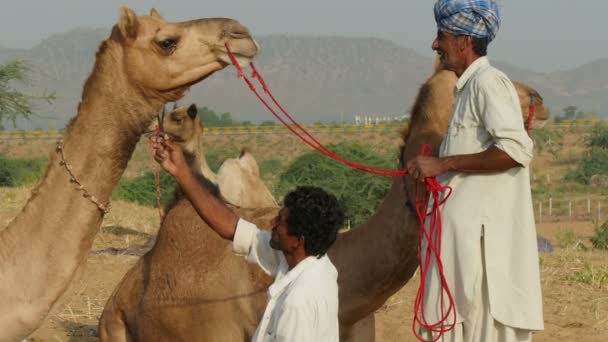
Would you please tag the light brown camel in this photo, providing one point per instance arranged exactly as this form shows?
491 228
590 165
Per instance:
191 287
238 179
145 62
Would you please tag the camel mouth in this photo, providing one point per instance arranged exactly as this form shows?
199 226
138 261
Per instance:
243 56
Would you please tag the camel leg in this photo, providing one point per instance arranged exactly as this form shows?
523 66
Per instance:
362 331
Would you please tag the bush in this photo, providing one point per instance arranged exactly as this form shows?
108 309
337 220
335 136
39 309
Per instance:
142 190
359 193
18 172
600 240
598 136
594 163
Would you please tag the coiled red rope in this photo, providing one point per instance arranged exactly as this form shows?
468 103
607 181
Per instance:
433 190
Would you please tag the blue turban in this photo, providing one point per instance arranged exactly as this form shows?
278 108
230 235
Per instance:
477 18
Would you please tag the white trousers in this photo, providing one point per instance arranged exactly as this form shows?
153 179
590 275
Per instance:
481 326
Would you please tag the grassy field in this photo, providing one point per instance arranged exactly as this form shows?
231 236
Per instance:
574 280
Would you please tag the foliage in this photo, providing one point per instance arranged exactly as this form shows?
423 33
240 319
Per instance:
18 172
566 238
142 190
590 275
268 123
600 239
215 158
12 102
598 137
595 162
270 166
569 112
547 139
359 193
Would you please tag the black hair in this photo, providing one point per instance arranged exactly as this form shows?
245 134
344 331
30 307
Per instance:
315 215
480 46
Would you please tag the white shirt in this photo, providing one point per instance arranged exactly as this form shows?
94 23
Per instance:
302 302
497 206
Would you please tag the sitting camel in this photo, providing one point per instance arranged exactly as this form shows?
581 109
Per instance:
238 179
190 286
145 62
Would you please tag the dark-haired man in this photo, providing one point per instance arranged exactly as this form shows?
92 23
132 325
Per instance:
303 300
488 246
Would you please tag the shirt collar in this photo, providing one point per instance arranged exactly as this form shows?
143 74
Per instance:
470 71
280 284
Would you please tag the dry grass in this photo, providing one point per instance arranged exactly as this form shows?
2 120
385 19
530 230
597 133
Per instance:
574 281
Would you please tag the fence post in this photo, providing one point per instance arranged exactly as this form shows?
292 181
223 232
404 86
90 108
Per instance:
588 205
599 212
540 212
550 206
570 210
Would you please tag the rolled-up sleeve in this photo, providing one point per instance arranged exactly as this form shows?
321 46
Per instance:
254 244
501 113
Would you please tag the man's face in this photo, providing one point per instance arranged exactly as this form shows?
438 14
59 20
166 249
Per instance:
450 49
280 239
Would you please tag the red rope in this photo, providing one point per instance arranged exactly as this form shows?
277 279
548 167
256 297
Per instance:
433 189
425 254
531 110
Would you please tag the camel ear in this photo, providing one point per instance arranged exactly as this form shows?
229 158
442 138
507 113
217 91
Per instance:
192 111
127 23
154 13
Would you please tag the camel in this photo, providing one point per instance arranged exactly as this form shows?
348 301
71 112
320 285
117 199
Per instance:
145 62
238 179
191 287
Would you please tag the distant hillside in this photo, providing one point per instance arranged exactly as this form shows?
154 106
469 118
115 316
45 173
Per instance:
316 78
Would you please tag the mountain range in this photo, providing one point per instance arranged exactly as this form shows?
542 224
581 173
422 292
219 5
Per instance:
316 78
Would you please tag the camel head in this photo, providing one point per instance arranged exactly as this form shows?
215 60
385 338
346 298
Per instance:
163 59
184 127
524 92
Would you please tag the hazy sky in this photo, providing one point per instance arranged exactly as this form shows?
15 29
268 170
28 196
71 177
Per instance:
545 35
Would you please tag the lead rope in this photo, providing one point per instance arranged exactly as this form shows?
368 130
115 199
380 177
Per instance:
159 134
531 111
433 188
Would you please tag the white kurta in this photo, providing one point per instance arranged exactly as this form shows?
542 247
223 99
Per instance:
497 206
302 302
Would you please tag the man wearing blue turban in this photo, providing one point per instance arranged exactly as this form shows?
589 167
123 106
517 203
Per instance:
488 246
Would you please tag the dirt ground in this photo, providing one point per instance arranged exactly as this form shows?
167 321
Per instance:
575 282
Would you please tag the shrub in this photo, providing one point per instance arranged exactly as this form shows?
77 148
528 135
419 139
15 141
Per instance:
17 172
594 163
600 240
359 193
142 190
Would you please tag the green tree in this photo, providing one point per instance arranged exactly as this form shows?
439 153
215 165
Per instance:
13 103
208 117
268 123
226 120
569 112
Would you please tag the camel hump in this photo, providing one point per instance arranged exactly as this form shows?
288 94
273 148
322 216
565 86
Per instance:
248 162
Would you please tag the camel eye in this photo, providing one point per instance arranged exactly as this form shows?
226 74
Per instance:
168 44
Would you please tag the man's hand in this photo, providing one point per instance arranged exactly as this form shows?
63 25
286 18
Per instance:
423 167
491 160
170 157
